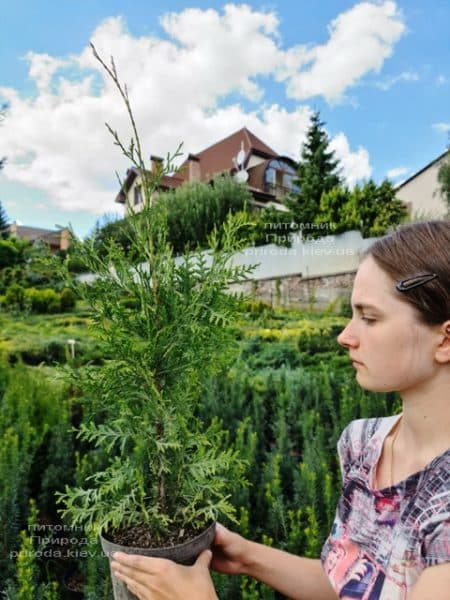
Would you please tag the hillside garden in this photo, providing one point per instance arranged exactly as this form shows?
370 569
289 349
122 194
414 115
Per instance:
282 406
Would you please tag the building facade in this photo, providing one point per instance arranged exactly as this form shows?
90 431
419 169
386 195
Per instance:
56 239
268 175
421 192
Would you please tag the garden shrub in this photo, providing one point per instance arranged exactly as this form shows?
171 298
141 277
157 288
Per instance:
15 298
68 300
9 253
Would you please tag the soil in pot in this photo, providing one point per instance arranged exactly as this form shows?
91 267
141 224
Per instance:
181 552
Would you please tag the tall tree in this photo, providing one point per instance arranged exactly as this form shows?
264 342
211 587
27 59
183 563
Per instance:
317 172
3 222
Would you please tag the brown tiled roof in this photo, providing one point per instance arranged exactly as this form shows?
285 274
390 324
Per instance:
219 157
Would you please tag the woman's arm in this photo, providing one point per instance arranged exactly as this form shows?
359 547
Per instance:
295 577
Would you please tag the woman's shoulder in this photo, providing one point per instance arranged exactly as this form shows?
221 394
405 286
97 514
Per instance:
356 436
360 431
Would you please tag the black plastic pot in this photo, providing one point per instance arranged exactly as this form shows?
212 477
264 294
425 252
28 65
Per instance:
183 554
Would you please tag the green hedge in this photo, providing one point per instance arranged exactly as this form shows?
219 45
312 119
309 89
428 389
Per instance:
40 301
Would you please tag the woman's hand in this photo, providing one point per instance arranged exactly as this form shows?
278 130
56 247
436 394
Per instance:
161 579
230 552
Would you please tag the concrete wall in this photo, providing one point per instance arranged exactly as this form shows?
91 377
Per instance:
311 272
328 255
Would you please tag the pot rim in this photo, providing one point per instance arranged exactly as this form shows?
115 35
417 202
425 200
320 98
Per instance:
186 543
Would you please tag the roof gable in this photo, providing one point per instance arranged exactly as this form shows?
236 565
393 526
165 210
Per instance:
420 171
219 157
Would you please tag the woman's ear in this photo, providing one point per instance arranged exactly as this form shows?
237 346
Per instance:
442 354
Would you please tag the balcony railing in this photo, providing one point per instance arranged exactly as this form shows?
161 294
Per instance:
279 191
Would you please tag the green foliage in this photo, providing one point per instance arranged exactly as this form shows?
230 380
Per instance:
160 466
68 300
34 339
370 208
8 253
30 411
15 297
141 403
444 181
28 265
374 209
322 197
41 301
317 172
194 210
283 422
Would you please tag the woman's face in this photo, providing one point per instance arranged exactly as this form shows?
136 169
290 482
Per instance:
395 350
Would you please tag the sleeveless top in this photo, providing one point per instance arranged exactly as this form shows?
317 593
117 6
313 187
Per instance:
382 539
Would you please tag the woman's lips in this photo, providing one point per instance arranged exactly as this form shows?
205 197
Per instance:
356 362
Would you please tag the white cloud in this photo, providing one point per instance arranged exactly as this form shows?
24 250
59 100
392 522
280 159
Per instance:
42 68
355 165
361 39
441 80
441 127
178 85
386 84
397 172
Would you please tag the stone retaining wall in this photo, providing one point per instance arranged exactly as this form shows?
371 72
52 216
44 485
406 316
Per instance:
310 292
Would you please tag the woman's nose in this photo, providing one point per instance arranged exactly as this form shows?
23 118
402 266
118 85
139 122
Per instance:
346 337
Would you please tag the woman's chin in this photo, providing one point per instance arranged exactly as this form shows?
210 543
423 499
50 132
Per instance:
373 386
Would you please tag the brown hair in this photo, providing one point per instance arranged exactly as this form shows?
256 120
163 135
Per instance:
414 249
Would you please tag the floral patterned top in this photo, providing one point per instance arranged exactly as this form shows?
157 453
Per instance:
382 539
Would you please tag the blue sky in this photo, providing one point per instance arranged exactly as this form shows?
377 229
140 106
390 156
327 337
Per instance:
378 71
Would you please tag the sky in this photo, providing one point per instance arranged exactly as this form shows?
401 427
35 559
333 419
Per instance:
378 72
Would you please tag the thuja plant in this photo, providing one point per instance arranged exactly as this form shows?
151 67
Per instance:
166 326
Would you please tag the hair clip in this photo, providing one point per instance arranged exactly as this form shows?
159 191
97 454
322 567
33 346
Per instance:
415 281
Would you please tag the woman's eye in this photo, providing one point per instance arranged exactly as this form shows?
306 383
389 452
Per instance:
368 320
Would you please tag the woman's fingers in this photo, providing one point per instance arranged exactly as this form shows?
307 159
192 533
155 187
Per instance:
146 564
139 590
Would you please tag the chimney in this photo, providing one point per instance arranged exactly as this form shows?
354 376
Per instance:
193 163
156 164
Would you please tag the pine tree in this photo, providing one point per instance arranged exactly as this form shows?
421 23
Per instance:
3 221
317 172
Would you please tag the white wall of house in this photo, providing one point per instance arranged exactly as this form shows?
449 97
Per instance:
422 194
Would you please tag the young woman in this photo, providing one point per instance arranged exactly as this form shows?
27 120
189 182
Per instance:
391 536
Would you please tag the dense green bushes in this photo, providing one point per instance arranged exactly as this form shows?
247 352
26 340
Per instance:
41 301
282 409
286 423
32 412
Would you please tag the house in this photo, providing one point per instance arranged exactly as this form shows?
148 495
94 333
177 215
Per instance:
421 192
56 239
268 175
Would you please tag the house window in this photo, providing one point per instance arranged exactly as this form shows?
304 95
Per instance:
279 178
137 195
